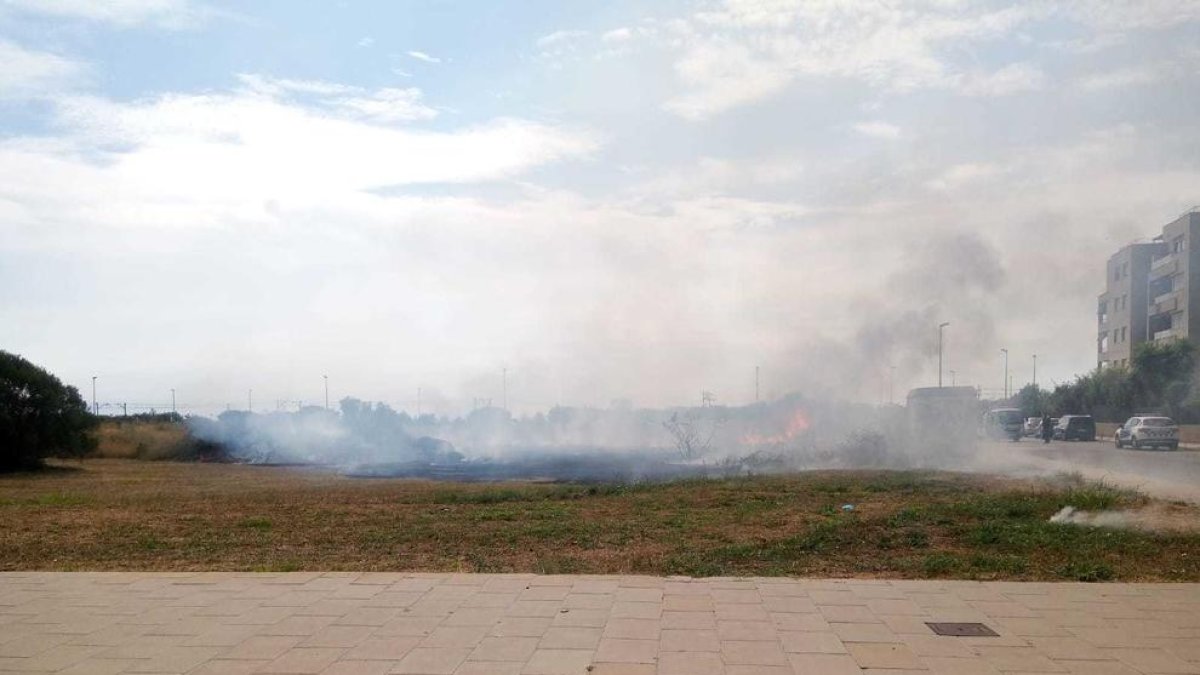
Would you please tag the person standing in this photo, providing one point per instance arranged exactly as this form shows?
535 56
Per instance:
1047 430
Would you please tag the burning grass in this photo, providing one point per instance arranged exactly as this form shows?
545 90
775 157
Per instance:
124 515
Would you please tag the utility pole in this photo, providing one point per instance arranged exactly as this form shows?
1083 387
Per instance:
941 327
172 401
326 377
250 400
756 384
95 409
1005 351
1035 371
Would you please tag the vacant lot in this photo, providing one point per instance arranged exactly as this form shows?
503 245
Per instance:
126 515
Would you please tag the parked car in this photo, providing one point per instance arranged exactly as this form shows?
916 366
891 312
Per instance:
1148 432
1033 426
1003 423
1075 428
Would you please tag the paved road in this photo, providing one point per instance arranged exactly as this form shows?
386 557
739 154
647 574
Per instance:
1173 475
457 624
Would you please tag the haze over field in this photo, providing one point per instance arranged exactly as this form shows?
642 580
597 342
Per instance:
614 200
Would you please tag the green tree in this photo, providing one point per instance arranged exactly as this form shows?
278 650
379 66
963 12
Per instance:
39 416
1163 375
1032 401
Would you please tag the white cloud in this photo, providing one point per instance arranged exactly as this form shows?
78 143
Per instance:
272 86
388 105
877 129
1122 77
1125 15
366 42
121 13
422 56
32 73
1011 79
618 35
382 105
723 76
560 37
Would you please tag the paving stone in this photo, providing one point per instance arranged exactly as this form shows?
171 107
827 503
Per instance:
567 637
432 661
303 660
824 664
884 655
811 642
747 652
505 649
344 623
689 640
619 650
690 663
559 662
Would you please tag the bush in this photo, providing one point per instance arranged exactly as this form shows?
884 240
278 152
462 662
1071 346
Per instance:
39 416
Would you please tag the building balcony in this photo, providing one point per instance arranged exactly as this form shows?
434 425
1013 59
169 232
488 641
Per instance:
1168 334
1165 303
1164 266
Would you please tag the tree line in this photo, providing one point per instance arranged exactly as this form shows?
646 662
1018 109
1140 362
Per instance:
1160 379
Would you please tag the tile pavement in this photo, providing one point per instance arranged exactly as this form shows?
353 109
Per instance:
460 624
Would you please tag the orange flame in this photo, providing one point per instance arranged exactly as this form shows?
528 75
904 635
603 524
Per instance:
797 424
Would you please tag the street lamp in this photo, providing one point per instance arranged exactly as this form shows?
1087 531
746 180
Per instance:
172 401
326 391
1005 372
1035 371
941 326
95 410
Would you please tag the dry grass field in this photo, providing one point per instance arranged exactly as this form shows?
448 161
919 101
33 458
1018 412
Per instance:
116 439
127 515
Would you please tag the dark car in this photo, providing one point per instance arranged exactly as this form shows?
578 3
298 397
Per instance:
1075 428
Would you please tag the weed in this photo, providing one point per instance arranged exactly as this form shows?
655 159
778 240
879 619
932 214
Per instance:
256 523
940 564
1086 571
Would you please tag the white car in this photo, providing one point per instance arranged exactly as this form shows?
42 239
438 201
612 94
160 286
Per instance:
1148 432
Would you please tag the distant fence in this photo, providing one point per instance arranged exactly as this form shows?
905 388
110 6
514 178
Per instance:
1188 433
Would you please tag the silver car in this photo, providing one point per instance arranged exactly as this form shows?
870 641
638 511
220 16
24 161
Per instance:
1148 432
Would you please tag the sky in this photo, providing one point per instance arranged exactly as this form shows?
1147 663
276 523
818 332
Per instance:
577 202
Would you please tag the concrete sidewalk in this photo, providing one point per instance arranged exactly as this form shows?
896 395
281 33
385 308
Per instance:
337 623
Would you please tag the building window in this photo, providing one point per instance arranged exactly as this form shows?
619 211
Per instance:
1177 244
1124 335
1125 269
1104 342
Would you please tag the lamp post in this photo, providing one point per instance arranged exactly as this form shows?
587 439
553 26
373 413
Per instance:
326 377
172 401
941 327
1005 351
95 410
1035 371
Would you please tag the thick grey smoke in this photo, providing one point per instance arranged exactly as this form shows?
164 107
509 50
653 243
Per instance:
620 442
